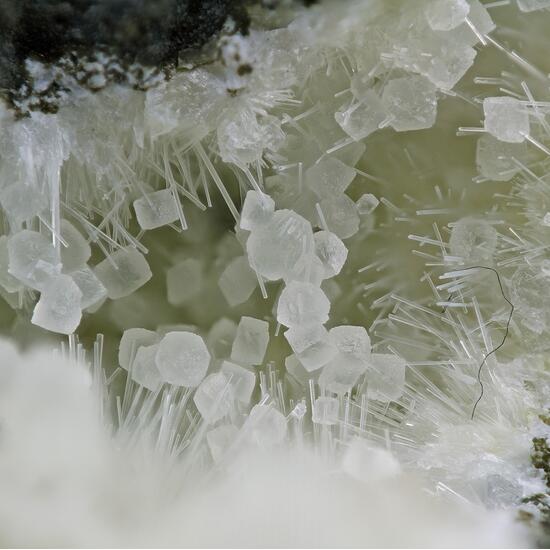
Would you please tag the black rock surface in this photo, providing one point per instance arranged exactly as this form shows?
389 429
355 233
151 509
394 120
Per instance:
151 32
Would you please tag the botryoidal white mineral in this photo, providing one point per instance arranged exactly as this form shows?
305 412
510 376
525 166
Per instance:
296 277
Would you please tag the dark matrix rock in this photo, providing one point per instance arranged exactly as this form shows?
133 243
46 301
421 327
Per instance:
151 32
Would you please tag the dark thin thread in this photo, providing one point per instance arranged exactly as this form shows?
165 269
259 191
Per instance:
506 331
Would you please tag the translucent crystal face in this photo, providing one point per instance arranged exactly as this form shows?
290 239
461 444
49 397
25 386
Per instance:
340 374
267 425
362 118
250 343
325 411
445 15
156 209
311 345
123 272
32 259
506 119
329 177
257 210
331 251
214 397
352 341
58 308
91 287
144 370
238 281
473 240
182 359
131 341
302 304
241 381
340 215
386 377
275 248
410 103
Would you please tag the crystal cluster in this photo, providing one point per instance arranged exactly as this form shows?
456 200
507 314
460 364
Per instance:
295 244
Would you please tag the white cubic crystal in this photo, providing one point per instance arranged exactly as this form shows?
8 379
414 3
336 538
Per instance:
266 425
77 252
331 251
32 259
219 440
7 281
311 345
275 248
473 240
243 137
156 209
352 341
297 370
533 5
495 158
237 281
366 204
302 337
367 463
184 281
310 270
480 19
385 377
325 411
182 359
220 337
447 64
444 15
362 118
341 374
90 286
330 177
58 309
132 339
411 103
257 210
123 272
251 341
144 370
214 397
302 304
242 381
506 119
340 216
